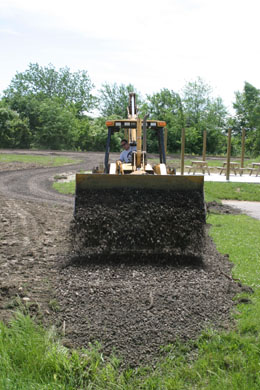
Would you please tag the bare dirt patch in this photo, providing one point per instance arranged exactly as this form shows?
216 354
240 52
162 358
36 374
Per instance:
30 239
219 208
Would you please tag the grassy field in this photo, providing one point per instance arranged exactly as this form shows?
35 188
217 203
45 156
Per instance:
50 161
65 188
238 191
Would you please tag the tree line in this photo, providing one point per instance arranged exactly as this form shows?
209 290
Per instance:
46 108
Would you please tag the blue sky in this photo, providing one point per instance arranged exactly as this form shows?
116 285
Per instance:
151 44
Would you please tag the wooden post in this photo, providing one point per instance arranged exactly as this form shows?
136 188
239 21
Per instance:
204 145
228 154
182 150
243 148
165 140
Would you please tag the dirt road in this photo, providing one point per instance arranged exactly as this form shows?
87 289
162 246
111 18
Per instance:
132 307
36 183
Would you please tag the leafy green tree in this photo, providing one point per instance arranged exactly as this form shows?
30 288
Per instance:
165 105
216 123
196 110
196 100
28 107
14 131
47 82
92 135
57 126
114 100
247 107
203 112
53 102
53 105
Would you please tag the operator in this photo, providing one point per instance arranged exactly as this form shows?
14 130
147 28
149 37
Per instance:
126 155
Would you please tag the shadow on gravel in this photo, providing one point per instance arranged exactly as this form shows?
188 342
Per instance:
133 260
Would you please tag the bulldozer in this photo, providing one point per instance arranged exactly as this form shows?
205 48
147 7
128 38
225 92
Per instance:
136 210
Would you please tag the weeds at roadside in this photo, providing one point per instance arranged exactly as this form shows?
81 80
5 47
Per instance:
60 177
54 306
14 303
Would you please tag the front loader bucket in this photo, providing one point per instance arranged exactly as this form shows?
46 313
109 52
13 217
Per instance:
138 215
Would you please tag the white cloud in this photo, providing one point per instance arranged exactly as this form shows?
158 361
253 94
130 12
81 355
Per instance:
8 31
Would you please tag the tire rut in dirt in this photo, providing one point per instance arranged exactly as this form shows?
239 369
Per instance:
36 183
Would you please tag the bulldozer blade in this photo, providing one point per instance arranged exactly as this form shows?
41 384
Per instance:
138 215
172 182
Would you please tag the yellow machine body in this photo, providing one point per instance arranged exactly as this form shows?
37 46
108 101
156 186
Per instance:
134 208
160 182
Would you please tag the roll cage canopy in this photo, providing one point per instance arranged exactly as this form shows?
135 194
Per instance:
117 125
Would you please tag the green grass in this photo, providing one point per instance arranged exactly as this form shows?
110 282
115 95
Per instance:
238 191
65 188
31 358
50 161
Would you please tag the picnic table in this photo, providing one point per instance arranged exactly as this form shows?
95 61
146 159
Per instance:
256 168
234 167
198 165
